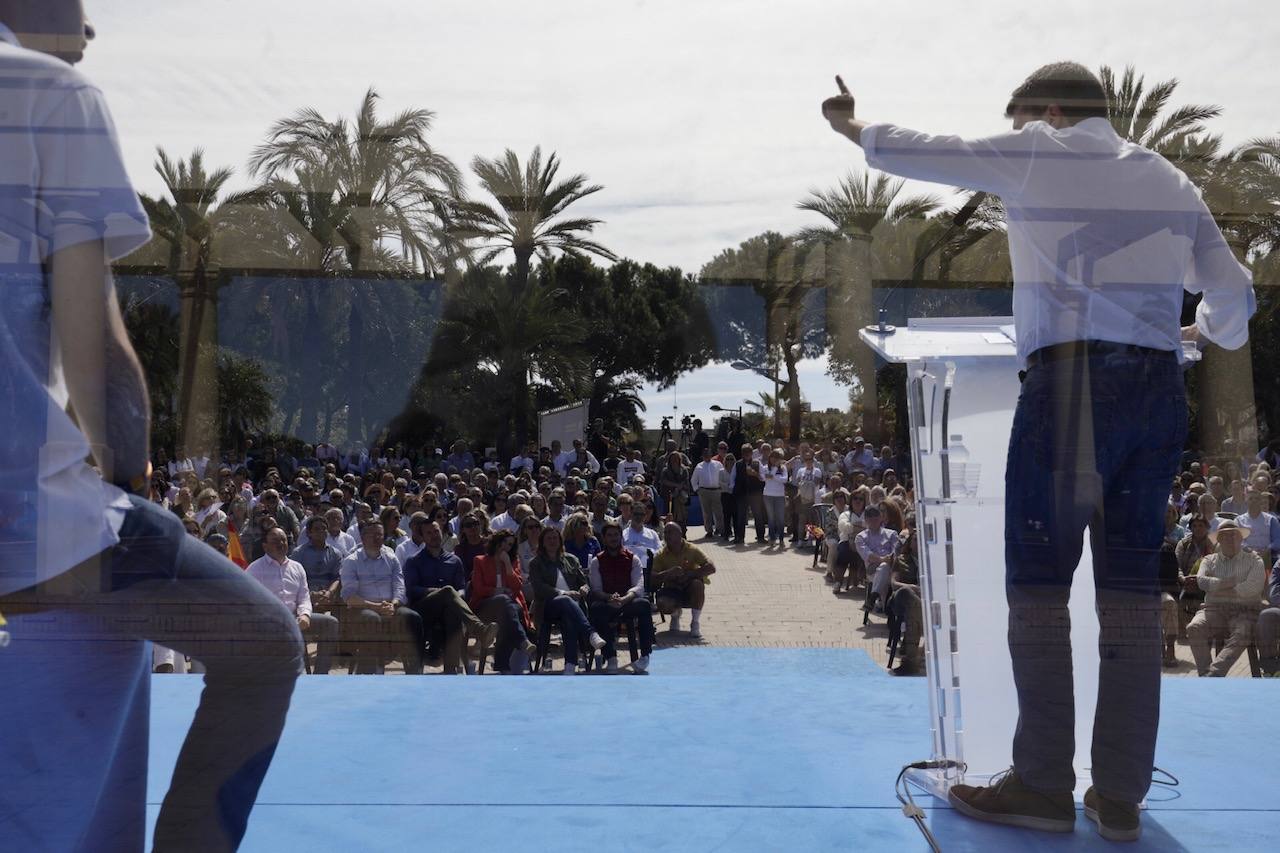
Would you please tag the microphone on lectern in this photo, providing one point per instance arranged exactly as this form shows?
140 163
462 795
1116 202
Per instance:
962 217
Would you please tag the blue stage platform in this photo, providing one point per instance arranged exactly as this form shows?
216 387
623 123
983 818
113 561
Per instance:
718 749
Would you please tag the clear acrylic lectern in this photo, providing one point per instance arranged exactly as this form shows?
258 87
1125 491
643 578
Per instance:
962 386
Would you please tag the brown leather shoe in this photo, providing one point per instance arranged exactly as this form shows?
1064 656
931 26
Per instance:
1007 801
1116 820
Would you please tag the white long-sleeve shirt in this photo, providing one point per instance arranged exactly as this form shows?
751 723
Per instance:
1236 581
286 580
706 475
1104 235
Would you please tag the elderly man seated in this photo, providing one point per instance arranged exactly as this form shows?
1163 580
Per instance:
434 581
877 546
287 581
1232 580
617 593
1269 626
373 589
681 573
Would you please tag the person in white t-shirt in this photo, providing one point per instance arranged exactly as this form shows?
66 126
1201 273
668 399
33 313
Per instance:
630 467
638 538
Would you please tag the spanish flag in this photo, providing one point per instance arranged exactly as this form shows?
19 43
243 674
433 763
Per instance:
234 550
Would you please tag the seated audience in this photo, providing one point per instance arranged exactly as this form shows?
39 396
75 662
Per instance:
287 580
877 546
1269 626
321 561
617 595
681 572
560 590
434 581
1232 580
497 595
373 590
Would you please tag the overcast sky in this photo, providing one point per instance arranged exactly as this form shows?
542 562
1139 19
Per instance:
700 119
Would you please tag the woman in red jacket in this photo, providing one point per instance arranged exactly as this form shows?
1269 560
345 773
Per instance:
497 595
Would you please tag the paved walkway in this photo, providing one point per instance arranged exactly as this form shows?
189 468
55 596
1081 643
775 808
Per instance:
767 597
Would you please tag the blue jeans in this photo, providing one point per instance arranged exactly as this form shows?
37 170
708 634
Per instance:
1095 444
166 586
775 507
573 624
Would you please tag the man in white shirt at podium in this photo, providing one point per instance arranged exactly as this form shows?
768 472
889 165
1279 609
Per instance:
1104 237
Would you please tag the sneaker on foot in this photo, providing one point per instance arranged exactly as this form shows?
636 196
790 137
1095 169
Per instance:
570 669
1116 820
611 665
1007 801
470 668
596 641
641 664
518 663
695 631
674 624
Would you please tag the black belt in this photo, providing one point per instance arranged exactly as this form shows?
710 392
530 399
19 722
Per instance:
1078 349
1082 349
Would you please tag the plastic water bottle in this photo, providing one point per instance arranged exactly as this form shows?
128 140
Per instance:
964 474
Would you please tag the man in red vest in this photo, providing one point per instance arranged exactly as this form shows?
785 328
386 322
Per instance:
617 593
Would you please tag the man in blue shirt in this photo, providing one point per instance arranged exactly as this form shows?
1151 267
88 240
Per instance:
435 582
321 561
373 589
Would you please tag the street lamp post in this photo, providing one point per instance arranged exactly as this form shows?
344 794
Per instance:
777 403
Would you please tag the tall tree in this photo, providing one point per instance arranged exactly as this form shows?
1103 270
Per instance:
640 323
527 217
860 210
187 222
373 198
768 311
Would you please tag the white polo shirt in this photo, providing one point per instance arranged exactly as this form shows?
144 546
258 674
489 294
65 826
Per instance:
64 183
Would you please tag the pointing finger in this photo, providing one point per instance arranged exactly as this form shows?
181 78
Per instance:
844 90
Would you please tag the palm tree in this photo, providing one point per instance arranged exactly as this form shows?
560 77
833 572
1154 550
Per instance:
861 207
529 216
370 197
1241 188
767 405
1134 111
616 400
188 221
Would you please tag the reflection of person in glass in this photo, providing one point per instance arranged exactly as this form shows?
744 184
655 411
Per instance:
88 567
1104 236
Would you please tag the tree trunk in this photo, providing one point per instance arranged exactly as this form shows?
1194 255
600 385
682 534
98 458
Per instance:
852 306
355 367
1228 412
312 346
794 412
198 356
